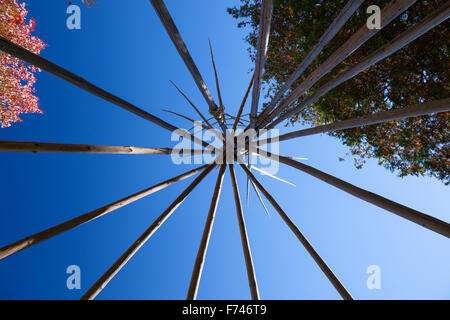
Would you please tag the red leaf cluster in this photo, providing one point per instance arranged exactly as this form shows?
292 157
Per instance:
17 79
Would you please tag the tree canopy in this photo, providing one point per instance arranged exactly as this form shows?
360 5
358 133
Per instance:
17 79
418 73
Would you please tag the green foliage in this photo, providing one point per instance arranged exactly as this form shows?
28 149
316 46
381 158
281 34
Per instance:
415 74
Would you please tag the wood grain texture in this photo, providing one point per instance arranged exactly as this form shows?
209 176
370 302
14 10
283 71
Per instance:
38 147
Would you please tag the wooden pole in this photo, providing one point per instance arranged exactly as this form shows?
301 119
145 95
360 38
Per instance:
35 147
192 105
416 110
417 217
244 238
329 34
175 36
27 56
265 21
90 216
101 283
241 108
186 118
322 265
201 254
216 77
392 10
432 20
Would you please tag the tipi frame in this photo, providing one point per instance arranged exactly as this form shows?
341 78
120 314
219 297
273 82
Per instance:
276 112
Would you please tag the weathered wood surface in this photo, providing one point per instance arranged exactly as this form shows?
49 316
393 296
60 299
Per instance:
27 56
433 19
387 14
262 44
201 254
253 284
37 147
101 283
332 30
175 36
416 110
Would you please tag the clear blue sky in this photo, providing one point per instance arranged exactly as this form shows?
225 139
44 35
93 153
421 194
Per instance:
123 48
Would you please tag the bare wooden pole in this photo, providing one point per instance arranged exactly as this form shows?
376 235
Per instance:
27 56
101 283
416 110
216 76
216 132
262 44
175 36
244 238
90 216
265 21
412 215
241 108
392 10
201 254
238 117
35 147
334 28
186 118
432 20
322 265
192 105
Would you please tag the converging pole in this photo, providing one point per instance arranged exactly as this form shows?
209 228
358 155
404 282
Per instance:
101 283
36 147
244 238
201 254
175 36
412 215
265 21
334 27
322 265
417 110
392 10
90 216
429 22
28 56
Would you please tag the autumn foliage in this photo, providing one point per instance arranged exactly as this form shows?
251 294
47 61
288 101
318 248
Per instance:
415 74
17 79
